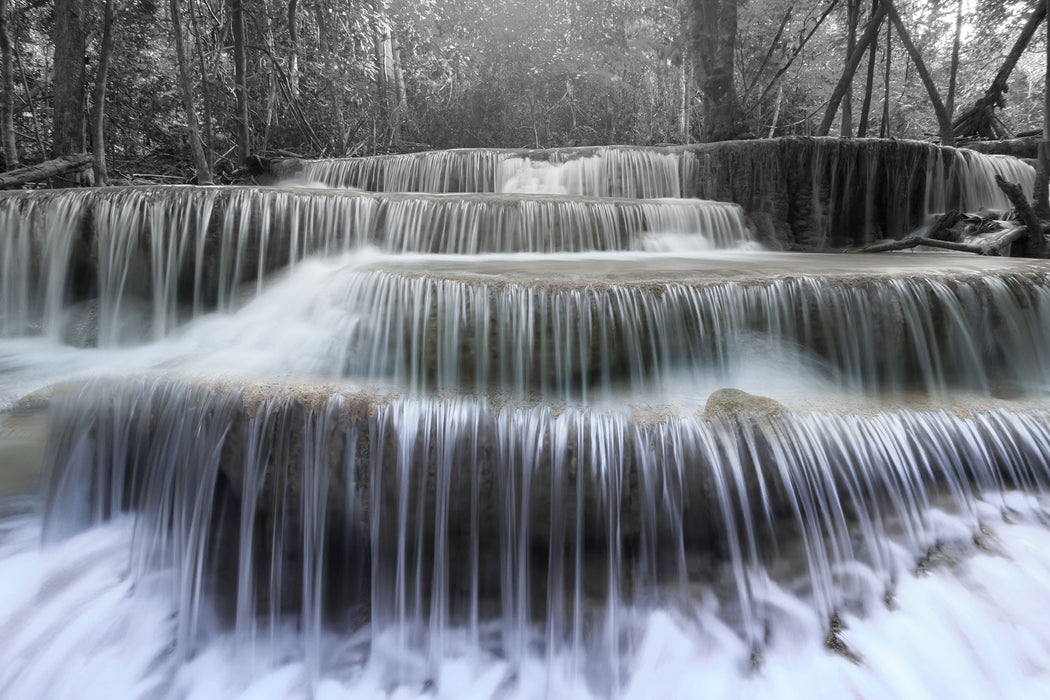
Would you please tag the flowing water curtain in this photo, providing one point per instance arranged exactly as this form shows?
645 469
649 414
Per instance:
43 239
163 255
795 191
416 518
583 342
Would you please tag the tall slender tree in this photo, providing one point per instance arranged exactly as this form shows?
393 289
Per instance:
200 162
869 83
871 33
1041 196
852 19
7 78
69 36
240 84
98 112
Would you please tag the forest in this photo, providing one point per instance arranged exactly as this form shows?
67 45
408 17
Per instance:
190 89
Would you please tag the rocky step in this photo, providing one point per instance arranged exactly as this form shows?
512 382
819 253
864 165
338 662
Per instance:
812 192
198 245
578 327
267 487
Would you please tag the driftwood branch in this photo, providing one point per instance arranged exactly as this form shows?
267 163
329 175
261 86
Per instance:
943 228
1035 243
987 245
42 171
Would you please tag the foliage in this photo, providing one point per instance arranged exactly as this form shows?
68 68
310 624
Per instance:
367 76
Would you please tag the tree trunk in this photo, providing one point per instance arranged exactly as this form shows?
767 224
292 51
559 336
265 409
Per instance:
943 122
99 95
1026 147
1041 196
293 48
846 79
240 86
209 139
200 162
953 71
69 39
884 125
7 77
852 17
869 84
683 105
776 112
400 96
380 39
45 170
1034 244
714 29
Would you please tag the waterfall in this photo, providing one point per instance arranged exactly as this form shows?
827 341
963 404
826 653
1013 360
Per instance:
268 507
800 191
168 253
609 172
479 429
580 339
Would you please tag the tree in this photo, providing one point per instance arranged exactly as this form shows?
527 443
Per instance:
240 87
980 119
200 163
322 77
69 36
714 33
887 9
852 19
869 83
293 47
871 33
7 79
99 95
943 122
1041 196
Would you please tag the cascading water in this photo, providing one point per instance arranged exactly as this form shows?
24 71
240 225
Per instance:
349 444
180 251
810 192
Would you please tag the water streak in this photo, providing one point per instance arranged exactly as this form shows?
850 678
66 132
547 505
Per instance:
814 192
157 256
358 518
580 341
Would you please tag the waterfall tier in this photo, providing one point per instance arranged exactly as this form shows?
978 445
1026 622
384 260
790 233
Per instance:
414 518
797 191
542 325
166 246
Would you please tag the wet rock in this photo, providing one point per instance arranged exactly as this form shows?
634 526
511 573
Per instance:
836 642
733 403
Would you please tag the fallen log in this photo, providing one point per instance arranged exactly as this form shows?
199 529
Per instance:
1025 147
943 229
988 244
1034 245
42 171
